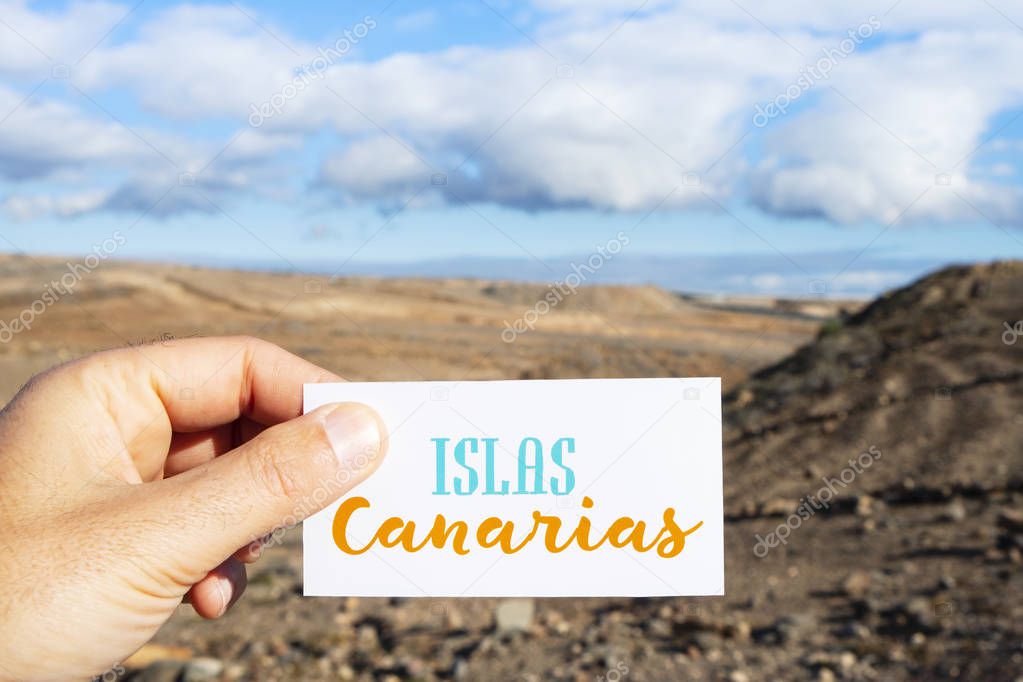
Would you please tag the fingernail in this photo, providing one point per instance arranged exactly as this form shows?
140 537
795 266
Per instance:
356 435
224 591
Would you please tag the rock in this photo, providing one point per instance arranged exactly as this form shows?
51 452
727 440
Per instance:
161 671
514 615
706 641
819 659
864 505
777 507
660 628
235 671
794 627
551 617
453 619
151 653
854 630
366 635
955 511
857 584
744 398
920 614
738 676
416 668
1011 520
345 618
202 669
278 647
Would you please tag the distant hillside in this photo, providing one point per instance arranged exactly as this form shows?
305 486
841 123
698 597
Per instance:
391 329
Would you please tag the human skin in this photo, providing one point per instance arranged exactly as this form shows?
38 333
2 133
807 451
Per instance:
133 479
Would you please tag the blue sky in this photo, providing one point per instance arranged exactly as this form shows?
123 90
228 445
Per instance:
765 148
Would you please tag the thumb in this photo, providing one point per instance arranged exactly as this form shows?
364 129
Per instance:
272 482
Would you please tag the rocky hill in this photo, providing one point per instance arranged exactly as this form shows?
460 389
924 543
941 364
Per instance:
922 373
906 573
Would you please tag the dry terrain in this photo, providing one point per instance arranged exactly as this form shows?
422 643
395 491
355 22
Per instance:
912 571
373 329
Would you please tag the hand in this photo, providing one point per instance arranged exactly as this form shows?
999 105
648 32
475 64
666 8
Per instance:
134 478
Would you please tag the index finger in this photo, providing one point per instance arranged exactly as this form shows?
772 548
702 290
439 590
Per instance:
206 382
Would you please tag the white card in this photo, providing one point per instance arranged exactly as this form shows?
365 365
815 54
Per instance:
513 468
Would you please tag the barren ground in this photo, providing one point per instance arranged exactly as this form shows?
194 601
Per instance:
913 573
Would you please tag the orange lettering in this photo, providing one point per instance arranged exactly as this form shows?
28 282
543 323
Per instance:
495 532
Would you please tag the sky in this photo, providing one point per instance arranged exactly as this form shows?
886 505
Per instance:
799 148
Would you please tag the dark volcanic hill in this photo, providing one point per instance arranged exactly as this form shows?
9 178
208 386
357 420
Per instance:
923 374
913 571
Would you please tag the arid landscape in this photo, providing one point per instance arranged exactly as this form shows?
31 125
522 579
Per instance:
912 571
385 330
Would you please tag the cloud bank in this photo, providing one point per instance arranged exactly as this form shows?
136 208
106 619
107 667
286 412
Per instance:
598 106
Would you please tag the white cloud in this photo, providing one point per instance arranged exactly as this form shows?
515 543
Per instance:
889 123
666 93
373 167
28 207
856 282
618 135
197 62
33 41
113 167
802 15
38 137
